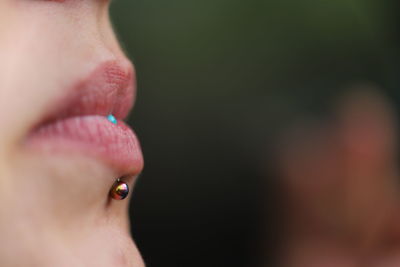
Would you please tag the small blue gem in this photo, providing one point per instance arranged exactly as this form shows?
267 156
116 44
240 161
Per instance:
112 119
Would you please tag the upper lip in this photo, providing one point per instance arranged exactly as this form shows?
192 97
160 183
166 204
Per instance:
109 89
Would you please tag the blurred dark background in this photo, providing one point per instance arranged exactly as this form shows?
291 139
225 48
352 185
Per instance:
217 79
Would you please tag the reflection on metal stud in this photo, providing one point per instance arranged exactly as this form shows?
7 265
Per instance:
119 190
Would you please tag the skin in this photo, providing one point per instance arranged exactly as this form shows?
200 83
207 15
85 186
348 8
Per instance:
55 209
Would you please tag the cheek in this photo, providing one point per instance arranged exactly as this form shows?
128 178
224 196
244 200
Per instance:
26 65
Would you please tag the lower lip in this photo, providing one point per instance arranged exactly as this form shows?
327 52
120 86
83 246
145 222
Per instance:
93 136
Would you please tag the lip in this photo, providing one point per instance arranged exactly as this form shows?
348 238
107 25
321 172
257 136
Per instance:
77 122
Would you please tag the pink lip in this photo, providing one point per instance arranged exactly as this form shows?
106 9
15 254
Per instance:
78 122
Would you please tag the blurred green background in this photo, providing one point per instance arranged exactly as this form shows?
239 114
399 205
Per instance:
217 79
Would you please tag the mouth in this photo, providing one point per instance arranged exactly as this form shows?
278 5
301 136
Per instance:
88 120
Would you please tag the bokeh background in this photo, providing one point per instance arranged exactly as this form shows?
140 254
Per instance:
217 80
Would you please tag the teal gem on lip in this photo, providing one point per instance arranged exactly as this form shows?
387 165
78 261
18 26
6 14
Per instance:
112 119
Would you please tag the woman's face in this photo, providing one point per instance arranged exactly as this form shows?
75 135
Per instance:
62 72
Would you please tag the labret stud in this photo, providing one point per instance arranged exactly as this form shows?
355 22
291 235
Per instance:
112 119
119 190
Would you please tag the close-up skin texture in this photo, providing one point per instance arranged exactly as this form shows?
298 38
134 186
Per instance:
62 72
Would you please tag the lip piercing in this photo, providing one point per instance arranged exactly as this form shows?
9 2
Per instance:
119 190
112 119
